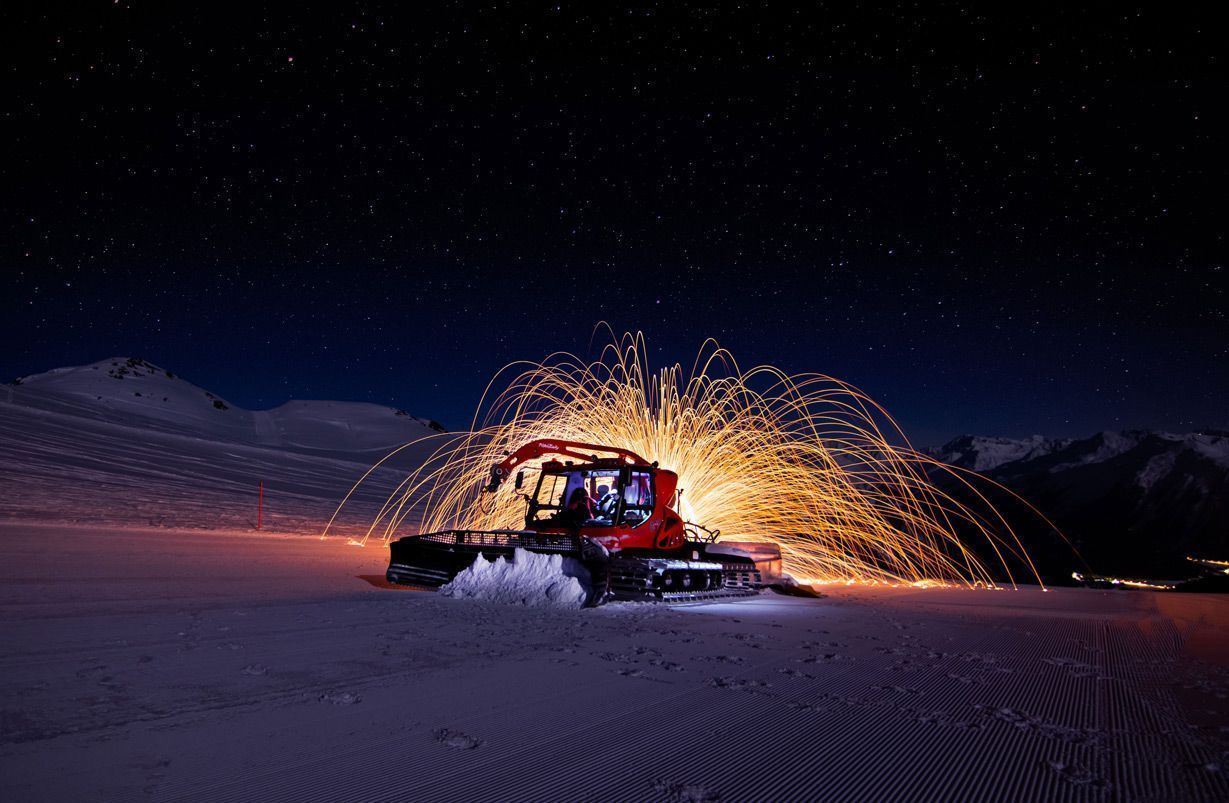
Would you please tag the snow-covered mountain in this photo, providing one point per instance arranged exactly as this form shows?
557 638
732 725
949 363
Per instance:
1133 500
132 391
1160 452
124 442
981 453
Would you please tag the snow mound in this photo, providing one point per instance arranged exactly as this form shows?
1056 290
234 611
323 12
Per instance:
530 579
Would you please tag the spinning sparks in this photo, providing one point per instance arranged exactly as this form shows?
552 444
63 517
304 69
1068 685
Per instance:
807 462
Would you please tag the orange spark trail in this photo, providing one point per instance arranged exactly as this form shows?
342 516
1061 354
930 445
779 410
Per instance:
806 461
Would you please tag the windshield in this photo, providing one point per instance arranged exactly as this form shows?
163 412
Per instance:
593 498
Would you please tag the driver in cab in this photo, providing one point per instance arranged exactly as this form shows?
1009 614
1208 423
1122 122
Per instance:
578 511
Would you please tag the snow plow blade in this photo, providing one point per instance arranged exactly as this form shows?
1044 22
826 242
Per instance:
433 559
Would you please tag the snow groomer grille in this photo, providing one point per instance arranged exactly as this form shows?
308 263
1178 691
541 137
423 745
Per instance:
740 576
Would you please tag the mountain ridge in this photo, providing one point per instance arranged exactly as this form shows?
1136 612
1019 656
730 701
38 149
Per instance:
1132 501
136 392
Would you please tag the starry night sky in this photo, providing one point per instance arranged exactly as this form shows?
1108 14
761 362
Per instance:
992 225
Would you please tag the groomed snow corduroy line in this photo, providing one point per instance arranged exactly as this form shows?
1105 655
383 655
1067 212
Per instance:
864 738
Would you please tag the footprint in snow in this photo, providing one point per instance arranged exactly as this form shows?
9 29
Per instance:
794 673
456 740
1078 776
616 658
824 658
685 792
155 771
985 658
1092 737
808 707
740 684
724 659
943 719
1074 668
632 673
966 679
343 698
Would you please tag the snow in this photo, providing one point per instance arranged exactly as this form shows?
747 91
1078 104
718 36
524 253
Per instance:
156 647
145 664
1211 447
134 392
530 579
1155 469
987 453
1105 446
77 445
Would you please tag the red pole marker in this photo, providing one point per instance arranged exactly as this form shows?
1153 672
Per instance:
260 504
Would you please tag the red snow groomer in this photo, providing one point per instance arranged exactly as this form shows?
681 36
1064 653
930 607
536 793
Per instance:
615 514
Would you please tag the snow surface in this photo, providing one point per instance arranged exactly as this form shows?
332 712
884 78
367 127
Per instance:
144 664
134 392
78 445
185 657
530 579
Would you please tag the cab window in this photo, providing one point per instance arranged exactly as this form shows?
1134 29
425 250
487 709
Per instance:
600 486
637 499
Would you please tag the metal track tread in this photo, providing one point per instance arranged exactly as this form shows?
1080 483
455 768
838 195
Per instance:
632 595
668 580
416 575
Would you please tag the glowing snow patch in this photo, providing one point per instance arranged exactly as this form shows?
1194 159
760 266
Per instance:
531 579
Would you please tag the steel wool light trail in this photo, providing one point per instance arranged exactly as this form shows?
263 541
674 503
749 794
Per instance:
807 462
